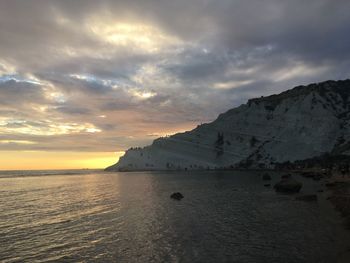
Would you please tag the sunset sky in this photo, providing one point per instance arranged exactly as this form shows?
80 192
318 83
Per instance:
83 80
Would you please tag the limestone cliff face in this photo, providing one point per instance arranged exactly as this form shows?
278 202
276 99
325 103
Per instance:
300 123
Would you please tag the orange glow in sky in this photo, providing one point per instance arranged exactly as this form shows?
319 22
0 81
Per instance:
39 160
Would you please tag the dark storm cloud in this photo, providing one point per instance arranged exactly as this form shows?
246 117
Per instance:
12 92
198 65
73 68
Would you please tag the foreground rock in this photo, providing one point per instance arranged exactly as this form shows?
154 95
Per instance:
288 185
307 198
177 196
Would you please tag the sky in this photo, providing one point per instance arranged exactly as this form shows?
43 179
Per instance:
82 81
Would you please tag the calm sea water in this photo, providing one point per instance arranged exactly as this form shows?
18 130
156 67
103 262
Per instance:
92 216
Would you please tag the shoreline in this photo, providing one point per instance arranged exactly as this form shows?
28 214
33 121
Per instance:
336 186
337 190
340 201
333 202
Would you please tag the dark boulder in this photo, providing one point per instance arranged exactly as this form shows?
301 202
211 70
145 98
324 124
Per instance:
307 198
267 185
288 185
177 196
266 177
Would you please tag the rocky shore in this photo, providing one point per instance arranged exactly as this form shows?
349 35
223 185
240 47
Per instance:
337 188
337 185
340 198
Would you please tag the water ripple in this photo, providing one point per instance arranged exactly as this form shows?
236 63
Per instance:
98 217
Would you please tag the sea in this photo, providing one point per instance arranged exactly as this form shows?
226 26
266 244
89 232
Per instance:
225 216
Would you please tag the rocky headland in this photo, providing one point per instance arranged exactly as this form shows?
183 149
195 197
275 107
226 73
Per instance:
274 132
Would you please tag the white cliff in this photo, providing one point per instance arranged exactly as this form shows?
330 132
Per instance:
300 123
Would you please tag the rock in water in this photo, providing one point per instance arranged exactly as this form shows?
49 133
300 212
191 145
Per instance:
266 177
288 185
307 198
267 185
177 196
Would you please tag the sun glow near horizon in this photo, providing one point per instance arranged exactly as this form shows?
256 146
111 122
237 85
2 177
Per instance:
44 160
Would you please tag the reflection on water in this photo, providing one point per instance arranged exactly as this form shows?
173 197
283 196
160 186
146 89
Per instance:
129 217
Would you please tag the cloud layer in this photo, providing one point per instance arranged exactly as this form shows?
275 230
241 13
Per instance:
107 75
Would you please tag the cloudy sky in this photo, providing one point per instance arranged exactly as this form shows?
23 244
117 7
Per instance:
83 80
